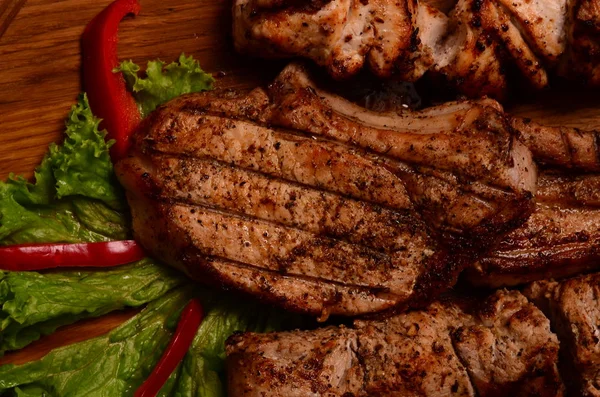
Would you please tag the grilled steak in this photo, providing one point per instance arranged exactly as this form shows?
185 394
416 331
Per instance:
498 347
562 236
560 239
475 46
321 206
574 312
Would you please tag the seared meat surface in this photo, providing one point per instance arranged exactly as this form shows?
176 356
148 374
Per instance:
574 310
499 346
322 362
560 239
562 236
313 203
477 46
562 148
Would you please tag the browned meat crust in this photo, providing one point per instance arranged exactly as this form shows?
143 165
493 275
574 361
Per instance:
500 346
574 310
475 46
563 148
582 58
313 203
560 239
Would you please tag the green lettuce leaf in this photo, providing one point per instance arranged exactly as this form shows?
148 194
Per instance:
81 165
35 304
75 198
161 83
117 363
200 373
111 365
74 187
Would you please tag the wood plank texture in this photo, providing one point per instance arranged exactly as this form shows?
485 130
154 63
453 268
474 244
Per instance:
40 62
40 80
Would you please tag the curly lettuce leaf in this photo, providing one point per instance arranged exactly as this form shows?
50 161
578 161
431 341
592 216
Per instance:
75 198
81 165
74 180
160 83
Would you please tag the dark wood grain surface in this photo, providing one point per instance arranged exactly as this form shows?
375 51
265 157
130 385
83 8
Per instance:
40 80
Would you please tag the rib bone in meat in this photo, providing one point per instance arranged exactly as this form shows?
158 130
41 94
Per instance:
316 204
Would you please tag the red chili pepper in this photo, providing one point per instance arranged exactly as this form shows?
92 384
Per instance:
27 257
107 92
191 317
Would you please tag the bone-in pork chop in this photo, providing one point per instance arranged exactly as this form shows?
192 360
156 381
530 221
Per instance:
308 201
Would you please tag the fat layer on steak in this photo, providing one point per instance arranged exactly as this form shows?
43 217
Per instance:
308 201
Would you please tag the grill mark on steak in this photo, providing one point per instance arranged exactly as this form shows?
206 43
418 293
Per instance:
445 205
566 142
216 262
290 250
216 185
271 153
472 199
302 109
560 147
376 155
302 293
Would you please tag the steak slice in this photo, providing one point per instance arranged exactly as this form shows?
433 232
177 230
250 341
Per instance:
574 310
560 239
323 362
499 346
310 202
477 46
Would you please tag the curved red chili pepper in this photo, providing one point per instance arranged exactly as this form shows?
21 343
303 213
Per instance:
107 92
191 317
27 257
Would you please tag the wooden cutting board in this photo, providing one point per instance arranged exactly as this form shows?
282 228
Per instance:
40 80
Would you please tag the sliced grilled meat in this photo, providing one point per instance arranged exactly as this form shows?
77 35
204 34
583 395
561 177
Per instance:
477 46
316 204
322 362
582 57
500 346
560 239
574 310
